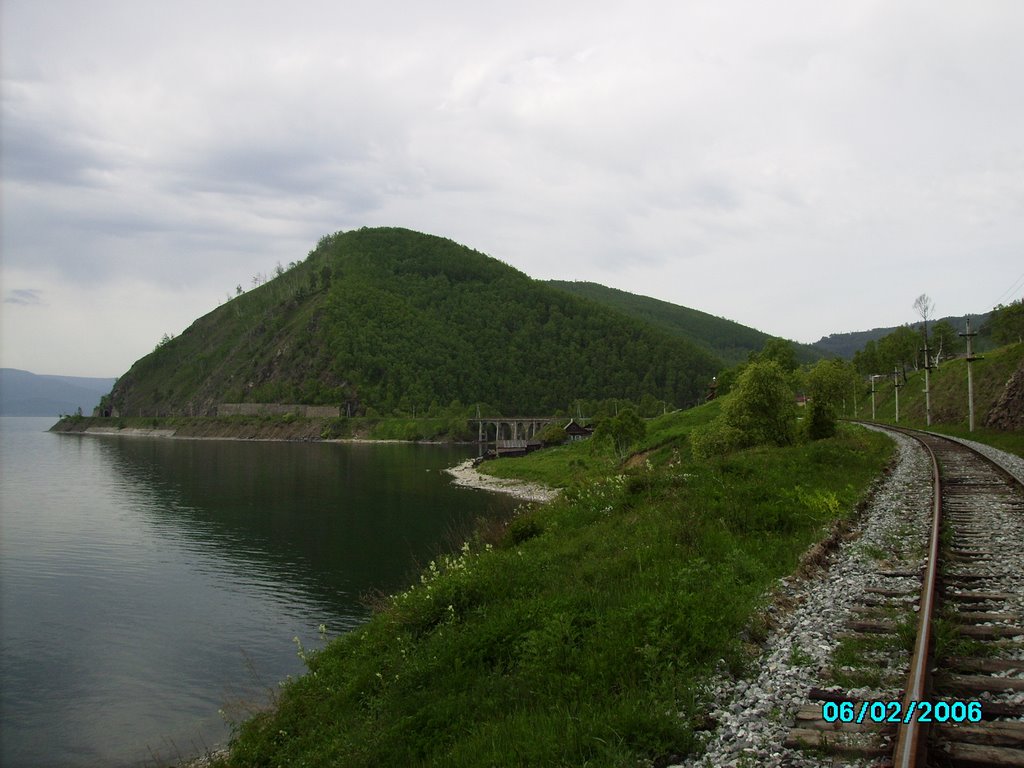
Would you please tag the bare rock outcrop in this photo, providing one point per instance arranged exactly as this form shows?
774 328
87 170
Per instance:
1008 411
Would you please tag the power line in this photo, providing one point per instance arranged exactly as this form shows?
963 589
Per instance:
1017 284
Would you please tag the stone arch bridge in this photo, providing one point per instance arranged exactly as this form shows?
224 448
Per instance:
497 429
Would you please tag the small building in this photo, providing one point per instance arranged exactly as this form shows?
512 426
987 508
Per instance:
515 447
575 431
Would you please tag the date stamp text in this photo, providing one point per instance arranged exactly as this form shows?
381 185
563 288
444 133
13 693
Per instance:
883 711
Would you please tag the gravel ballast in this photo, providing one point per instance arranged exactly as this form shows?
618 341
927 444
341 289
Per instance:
754 715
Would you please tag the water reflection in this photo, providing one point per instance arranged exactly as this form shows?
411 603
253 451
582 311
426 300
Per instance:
329 520
146 581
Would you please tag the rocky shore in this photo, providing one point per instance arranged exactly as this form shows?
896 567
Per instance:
467 476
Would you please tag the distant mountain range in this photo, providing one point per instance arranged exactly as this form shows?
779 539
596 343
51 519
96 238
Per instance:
845 344
28 394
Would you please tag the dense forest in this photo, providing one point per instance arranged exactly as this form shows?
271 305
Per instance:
386 321
726 339
902 348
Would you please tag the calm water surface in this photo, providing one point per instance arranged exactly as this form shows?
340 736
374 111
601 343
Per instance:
146 583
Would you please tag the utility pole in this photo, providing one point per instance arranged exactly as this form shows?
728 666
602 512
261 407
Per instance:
479 432
970 378
927 383
873 377
897 385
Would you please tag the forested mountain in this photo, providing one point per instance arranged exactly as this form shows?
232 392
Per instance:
726 339
390 320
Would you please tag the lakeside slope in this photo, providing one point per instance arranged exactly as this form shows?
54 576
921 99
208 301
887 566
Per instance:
579 631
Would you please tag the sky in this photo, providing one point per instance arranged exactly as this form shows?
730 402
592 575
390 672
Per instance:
804 167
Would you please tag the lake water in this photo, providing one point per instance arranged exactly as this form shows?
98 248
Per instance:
146 583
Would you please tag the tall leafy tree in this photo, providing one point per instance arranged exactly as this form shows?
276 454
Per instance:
868 360
828 383
762 409
899 350
945 342
1006 323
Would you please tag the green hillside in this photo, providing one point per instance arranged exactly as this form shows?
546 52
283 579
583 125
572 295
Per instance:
846 344
730 341
948 388
393 321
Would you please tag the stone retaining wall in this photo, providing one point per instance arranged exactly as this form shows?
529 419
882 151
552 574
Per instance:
278 409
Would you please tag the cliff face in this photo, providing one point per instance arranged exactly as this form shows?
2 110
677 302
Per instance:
1008 411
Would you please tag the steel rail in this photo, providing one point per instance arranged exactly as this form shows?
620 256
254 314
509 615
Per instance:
911 737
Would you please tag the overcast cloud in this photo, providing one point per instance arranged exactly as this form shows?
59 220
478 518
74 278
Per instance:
803 167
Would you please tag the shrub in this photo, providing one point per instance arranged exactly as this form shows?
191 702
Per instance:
821 421
714 439
762 408
522 528
623 431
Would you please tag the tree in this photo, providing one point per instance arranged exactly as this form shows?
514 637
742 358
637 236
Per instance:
1006 323
781 351
945 342
899 349
828 384
868 361
623 431
164 341
925 308
762 409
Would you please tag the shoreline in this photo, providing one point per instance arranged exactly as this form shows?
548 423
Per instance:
171 433
466 475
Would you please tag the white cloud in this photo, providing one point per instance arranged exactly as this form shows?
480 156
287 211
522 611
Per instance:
804 170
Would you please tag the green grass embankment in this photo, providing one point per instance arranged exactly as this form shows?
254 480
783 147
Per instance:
578 633
948 389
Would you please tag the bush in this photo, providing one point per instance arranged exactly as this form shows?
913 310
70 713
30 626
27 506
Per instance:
522 528
623 431
762 408
552 434
714 439
821 421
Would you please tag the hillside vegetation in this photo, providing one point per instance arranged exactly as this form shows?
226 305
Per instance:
729 340
578 633
846 344
396 322
948 388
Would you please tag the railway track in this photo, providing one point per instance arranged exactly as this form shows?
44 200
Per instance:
956 600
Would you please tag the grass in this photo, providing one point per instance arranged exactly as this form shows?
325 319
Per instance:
563 465
1011 442
856 661
948 390
578 635
556 467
